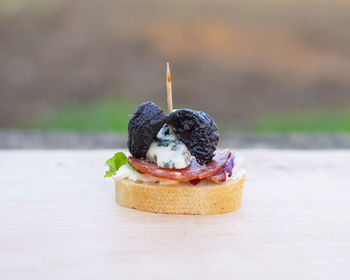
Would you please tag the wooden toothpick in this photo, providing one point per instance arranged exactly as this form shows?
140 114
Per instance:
169 94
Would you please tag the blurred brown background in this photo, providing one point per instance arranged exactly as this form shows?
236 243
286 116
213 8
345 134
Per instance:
237 60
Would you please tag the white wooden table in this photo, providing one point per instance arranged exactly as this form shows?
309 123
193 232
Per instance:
59 220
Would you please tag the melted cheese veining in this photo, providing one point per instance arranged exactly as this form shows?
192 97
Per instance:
167 151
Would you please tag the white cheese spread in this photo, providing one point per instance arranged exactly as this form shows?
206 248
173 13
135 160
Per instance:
127 172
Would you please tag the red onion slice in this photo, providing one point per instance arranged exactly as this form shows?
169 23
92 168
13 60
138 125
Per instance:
221 175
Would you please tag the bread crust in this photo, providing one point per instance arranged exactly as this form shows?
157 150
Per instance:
206 198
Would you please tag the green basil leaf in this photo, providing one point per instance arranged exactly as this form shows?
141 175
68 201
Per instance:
114 163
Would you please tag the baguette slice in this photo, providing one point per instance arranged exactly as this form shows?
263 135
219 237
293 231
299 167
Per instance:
206 198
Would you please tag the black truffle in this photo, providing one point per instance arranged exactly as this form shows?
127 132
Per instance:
197 130
143 128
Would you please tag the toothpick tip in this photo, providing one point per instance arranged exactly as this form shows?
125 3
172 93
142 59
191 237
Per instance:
168 72
169 94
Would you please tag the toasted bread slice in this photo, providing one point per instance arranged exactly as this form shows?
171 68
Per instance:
206 198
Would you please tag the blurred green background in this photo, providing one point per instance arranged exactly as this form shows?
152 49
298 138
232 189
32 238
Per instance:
263 66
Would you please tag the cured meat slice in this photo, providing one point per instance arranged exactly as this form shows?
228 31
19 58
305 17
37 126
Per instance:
193 171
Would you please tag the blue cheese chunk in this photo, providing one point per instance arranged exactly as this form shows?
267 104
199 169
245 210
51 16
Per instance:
167 151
